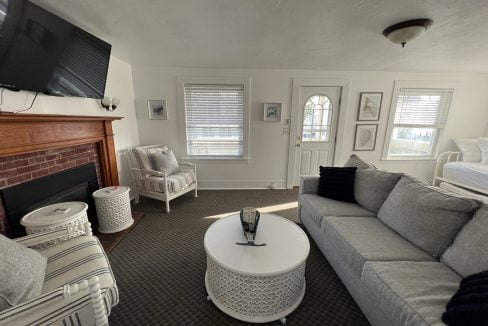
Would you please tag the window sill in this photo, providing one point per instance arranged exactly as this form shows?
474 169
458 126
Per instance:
223 160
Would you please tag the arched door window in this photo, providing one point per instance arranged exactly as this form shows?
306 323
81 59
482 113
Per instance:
317 117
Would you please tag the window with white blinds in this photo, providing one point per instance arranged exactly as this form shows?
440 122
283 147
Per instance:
420 116
214 120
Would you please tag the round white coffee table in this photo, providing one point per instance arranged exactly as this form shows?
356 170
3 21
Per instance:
256 284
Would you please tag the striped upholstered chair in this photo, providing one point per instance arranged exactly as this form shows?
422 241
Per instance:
79 287
148 182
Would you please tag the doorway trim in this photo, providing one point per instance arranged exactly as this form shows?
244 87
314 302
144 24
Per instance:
314 82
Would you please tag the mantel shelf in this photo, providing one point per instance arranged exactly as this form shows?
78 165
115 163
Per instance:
9 116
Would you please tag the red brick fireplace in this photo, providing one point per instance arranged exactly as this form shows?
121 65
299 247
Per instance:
33 146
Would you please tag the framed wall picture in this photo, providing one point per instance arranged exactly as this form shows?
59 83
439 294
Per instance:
157 109
272 112
365 137
369 106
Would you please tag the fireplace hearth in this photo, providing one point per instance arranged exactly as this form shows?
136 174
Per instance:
76 184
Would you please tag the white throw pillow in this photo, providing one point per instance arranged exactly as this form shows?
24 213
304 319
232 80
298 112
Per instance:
21 273
470 149
164 161
483 143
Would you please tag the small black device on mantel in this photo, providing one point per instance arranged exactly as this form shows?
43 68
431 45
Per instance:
42 52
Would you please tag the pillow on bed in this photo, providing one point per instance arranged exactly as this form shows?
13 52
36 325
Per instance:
470 149
483 143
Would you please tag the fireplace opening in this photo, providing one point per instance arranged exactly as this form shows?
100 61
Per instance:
76 184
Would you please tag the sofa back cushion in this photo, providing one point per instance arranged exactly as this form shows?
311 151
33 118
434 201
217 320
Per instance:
356 161
469 252
372 186
337 183
22 273
427 216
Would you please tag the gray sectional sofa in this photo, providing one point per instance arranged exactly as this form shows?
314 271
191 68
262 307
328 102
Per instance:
403 249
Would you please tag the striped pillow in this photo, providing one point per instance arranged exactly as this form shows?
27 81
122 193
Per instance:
141 155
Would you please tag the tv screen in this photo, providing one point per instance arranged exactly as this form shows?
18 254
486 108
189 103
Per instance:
42 52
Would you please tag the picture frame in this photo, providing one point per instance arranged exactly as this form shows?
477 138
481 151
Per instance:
369 106
272 112
365 137
157 109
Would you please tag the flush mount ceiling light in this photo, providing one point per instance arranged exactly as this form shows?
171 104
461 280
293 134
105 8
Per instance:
406 31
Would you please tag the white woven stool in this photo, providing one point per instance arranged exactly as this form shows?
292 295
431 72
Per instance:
113 209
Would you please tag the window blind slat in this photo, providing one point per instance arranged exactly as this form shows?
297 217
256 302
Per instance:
214 120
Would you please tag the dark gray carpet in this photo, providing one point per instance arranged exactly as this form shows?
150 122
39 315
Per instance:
160 265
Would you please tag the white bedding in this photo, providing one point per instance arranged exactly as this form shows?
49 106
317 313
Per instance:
471 174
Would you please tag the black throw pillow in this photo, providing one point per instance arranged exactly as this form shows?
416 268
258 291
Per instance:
469 305
337 183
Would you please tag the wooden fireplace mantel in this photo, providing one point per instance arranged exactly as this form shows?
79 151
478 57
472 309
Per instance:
25 133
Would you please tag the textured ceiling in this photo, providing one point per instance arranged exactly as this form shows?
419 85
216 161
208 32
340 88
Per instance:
285 34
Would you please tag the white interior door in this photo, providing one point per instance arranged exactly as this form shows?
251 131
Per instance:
318 110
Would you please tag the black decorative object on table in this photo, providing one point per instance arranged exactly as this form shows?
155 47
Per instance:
249 222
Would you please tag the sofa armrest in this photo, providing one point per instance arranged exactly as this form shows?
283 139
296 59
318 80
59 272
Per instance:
308 185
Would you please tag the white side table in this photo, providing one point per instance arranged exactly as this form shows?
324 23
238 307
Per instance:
256 284
113 209
56 216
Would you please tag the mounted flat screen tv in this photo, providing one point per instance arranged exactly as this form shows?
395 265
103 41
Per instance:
42 52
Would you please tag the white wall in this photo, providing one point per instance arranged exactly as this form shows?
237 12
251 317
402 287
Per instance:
268 144
119 84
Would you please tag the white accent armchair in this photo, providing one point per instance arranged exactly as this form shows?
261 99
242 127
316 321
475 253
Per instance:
148 182
83 295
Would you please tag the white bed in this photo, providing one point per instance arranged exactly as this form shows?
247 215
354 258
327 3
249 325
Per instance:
471 174
467 177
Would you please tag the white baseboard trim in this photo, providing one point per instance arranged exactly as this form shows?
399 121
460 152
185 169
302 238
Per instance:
239 184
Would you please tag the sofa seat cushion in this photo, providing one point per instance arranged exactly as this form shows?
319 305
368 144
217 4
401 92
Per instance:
318 207
427 216
359 239
176 182
411 293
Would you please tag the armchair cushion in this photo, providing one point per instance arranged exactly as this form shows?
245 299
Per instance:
176 182
21 273
76 260
164 161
